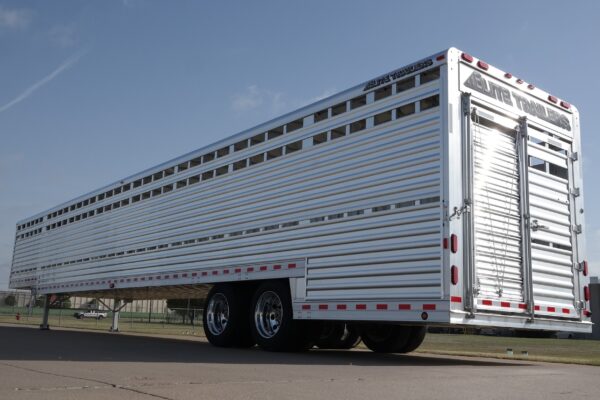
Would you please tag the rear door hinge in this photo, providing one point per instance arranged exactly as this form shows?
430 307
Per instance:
575 192
577 228
574 156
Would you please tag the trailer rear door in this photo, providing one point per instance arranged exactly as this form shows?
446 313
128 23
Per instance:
521 225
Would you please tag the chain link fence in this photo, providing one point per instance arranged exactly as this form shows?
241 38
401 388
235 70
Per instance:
141 316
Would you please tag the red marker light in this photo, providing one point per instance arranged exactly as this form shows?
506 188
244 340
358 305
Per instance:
508 75
564 104
585 268
454 274
586 293
553 99
519 81
440 57
483 65
467 57
531 86
453 243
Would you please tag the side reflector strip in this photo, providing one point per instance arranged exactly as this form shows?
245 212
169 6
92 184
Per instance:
428 306
404 307
505 304
361 306
486 302
456 299
382 306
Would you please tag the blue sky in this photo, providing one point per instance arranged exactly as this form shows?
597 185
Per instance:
94 91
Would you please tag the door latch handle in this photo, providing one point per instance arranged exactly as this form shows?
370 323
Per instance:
535 226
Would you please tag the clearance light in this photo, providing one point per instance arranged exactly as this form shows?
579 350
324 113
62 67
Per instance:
467 57
483 65
564 104
519 81
440 57
584 268
553 99
508 75
531 86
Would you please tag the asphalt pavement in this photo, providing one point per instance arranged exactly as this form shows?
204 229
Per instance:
62 364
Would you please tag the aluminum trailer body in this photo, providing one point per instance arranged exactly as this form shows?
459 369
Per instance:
445 192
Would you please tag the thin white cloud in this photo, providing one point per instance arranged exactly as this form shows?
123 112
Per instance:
14 19
33 88
63 35
254 97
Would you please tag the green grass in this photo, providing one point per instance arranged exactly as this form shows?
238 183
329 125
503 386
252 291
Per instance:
550 350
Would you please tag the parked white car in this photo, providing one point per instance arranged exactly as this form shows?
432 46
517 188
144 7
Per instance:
90 314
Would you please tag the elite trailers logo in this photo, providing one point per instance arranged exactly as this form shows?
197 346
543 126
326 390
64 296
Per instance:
397 74
477 82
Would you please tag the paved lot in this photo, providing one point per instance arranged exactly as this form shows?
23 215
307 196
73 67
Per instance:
85 365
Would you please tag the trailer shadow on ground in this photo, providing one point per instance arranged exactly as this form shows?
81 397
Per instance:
25 343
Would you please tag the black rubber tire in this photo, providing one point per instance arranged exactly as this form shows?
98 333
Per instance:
338 335
237 331
293 335
416 337
385 338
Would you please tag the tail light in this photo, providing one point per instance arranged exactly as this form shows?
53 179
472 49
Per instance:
586 293
453 243
584 268
454 274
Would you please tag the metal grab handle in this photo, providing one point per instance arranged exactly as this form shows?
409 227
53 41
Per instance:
535 226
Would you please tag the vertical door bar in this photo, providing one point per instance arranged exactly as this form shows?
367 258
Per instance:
526 271
468 223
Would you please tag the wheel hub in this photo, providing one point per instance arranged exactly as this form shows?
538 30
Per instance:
268 314
217 314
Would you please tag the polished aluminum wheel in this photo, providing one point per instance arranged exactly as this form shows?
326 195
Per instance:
268 314
217 314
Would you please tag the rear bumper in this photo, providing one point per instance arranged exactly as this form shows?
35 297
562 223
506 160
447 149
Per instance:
519 322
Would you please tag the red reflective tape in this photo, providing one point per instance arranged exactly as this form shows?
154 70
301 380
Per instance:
250 269
486 302
150 278
551 309
566 311
306 306
445 243
175 276
204 273
505 304
456 299
428 306
194 274
404 307
341 307
536 308
143 278
290 266
167 276
522 306
382 306
263 268
135 279
323 307
184 275
215 272
225 271
238 270
361 306
276 266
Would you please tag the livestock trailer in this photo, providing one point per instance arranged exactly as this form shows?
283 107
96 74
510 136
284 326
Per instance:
446 192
